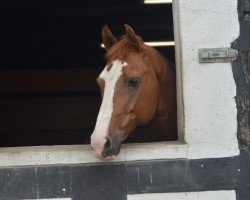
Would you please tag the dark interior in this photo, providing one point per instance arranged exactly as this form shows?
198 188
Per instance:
50 56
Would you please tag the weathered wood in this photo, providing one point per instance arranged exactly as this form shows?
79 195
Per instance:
114 181
241 69
241 72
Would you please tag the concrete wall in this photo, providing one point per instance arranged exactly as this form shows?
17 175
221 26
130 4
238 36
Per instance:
206 96
206 105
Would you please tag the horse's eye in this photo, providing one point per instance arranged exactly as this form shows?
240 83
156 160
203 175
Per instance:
134 82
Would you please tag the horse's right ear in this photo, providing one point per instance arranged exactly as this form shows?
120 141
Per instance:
130 34
108 39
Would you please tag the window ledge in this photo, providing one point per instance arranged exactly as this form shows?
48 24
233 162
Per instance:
77 154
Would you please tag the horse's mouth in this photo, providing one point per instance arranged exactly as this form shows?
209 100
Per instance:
108 158
111 152
108 148
105 157
108 153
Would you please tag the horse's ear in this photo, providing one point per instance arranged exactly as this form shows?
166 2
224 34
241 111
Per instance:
130 34
108 39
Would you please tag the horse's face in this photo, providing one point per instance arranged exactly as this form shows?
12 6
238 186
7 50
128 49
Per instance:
129 91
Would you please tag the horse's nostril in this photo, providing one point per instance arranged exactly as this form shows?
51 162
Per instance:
108 144
111 147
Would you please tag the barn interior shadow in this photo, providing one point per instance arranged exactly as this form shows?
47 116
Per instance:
50 56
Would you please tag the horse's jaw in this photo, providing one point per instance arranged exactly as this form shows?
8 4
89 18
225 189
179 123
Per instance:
108 158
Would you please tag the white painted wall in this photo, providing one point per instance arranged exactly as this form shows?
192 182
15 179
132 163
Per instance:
207 195
206 104
74 154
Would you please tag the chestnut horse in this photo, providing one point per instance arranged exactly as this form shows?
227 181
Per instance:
137 86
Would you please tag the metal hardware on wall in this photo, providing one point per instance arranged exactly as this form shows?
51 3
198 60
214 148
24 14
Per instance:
217 55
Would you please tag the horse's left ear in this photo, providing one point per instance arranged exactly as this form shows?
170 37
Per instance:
108 39
130 34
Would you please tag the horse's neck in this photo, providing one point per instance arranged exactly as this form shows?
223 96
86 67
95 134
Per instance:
165 115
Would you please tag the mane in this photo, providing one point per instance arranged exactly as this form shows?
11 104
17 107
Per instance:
122 49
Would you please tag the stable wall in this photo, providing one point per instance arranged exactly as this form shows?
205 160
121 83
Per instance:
207 124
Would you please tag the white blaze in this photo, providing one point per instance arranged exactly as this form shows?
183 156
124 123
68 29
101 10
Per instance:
98 137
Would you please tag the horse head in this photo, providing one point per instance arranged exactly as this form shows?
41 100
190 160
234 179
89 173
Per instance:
129 86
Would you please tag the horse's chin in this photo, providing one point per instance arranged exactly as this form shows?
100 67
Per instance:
98 154
108 158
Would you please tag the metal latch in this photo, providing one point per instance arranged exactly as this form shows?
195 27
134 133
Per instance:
217 55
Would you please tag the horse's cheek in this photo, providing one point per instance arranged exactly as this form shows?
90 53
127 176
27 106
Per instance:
151 97
128 121
146 109
151 107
